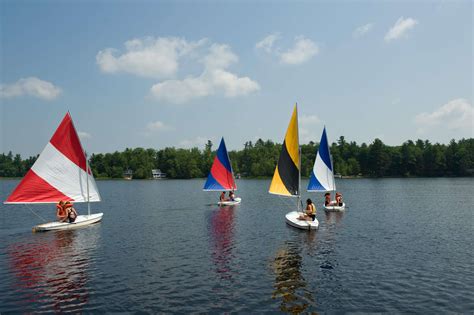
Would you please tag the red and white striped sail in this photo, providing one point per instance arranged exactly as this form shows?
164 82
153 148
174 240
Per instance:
59 173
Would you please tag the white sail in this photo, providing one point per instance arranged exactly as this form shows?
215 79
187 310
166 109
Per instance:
322 176
59 173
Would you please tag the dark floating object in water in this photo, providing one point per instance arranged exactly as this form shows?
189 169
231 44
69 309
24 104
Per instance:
326 266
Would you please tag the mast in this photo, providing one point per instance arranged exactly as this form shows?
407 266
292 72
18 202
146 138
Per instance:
87 185
330 156
299 178
299 162
333 170
231 169
333 178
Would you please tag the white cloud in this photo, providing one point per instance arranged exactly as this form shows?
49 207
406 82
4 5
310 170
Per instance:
306 120
157 126
303 51
161 58
308 130
219 57
31 86
401 27
362 30
457 114
84 135
267 43
199 142
214 79
148 57
180 91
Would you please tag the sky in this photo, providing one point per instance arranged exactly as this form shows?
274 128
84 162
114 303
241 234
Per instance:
154 74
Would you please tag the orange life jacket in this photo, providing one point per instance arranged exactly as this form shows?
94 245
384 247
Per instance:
61 210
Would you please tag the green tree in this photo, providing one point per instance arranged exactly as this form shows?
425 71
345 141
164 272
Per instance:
379 159
260 158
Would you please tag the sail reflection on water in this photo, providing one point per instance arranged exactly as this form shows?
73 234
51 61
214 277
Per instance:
290 285
222 237
51 270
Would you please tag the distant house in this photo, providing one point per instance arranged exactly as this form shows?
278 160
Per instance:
128 174
158 174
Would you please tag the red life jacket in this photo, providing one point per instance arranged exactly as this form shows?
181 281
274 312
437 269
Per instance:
61 211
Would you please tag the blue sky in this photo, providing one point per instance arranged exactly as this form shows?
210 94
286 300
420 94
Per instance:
176 73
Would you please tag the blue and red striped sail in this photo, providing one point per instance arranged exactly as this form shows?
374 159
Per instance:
221 177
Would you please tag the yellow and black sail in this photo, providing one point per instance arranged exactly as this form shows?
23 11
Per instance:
287 174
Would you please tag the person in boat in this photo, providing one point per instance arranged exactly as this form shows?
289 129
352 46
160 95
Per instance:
71 212
310 211
222 197
231 195
327 199
339 199
61 212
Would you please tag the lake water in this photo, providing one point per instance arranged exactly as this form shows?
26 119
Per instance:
403 245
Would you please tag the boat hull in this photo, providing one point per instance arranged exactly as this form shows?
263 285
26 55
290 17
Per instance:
335 208
291 218
236 201
81 221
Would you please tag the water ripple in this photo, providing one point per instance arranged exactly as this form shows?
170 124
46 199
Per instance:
158 252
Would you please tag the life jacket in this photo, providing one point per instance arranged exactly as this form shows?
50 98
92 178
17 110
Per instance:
61 210
313 208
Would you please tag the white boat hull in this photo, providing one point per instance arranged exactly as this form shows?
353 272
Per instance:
236 201
335 208
81 220
292 219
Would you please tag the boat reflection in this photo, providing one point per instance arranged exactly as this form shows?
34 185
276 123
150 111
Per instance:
334 217
222 235
51 270
290 284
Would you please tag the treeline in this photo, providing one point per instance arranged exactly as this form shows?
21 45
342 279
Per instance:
13 166
420 158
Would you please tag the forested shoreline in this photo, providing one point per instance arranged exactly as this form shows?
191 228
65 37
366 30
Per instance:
411 159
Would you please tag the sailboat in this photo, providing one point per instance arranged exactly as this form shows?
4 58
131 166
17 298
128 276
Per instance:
61 172
221 177
287 177
322 176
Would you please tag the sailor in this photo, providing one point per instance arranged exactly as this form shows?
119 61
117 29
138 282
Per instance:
222 197
310 211
61 213
327 199
231 195
339 199
71 212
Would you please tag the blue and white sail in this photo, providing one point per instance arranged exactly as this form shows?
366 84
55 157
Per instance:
322 176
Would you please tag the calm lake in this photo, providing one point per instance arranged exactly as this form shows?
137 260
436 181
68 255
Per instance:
403 245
